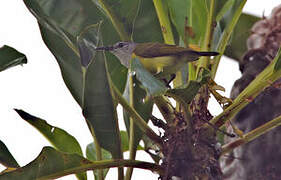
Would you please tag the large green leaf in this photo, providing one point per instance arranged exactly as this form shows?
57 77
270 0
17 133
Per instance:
147 26
6 158
91 154
192 13
10 57
58 137
60 24
238 44
98 106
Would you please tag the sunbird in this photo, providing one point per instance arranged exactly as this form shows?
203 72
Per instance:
161 60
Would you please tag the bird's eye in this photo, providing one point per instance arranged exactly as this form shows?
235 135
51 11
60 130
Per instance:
121 45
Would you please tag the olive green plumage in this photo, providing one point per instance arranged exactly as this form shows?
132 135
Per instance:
162 60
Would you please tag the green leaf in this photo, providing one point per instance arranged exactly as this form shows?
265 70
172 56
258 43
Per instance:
61 22
6 158
49 163
225 19
91 155
10 57
153 86
192 13
58 137
147 26
125 142
187 92
238 44
98 106
227 5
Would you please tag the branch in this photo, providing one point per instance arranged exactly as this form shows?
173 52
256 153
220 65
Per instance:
252 135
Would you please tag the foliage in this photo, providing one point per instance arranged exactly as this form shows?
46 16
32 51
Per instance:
72 29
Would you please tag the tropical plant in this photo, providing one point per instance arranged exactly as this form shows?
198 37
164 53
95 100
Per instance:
189 147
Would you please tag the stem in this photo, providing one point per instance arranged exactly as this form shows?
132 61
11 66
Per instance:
225 37
132 150
204 61
115 21
165 108
191 71
106 164
167 33
164 22
137 118
250 136
98 152
262 81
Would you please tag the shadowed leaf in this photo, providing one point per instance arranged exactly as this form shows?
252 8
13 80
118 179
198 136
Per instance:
224 20
242 30
187 92
58 137
10 57
98 105
189 18
153 86
6 158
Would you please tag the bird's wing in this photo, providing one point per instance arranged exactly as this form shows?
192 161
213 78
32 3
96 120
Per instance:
150 50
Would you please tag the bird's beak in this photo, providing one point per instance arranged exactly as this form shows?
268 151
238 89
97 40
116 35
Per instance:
108 48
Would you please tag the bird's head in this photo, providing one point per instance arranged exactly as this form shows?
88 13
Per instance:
122 50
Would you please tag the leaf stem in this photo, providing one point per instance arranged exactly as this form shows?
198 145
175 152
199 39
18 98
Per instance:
164 22
165 108
106 164
250 136
262 81
204 61
166 32
98 151
225 38
132 150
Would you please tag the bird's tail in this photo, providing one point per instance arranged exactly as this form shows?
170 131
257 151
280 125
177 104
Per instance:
208 53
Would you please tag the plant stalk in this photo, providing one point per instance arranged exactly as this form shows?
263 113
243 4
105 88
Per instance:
204 61
167 32
250 136
262 81
106 164
132 150
165 108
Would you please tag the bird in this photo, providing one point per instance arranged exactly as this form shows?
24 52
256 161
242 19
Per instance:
161 60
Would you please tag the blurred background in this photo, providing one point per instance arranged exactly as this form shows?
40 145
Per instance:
38 88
